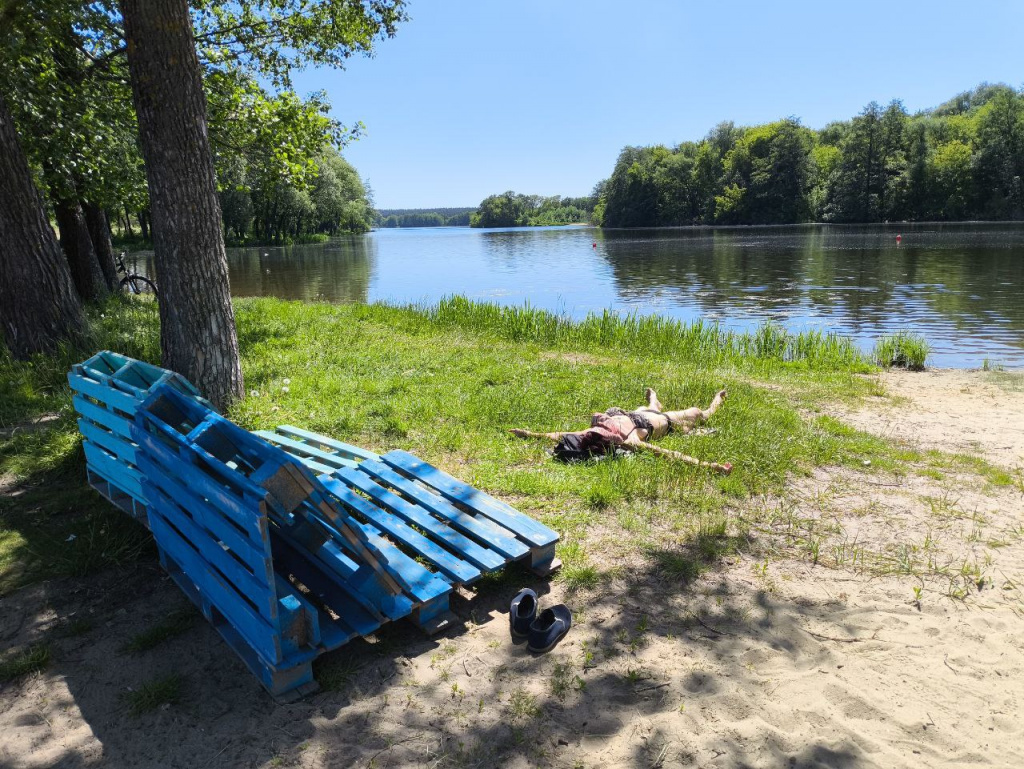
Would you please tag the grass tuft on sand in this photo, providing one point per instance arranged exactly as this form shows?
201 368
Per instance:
902 350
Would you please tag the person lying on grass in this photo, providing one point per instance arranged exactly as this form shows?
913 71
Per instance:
631 430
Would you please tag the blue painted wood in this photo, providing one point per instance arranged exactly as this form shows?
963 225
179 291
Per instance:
119 473
533 532
305 450
104 394
461 546
346 450
328 587
258 632
483 529
116 445
420 582
249 586
227 500
450 564
102 416
246 544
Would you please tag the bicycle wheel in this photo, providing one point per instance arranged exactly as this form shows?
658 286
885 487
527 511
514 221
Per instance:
137 284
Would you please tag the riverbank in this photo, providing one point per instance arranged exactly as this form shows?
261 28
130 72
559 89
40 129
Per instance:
820 604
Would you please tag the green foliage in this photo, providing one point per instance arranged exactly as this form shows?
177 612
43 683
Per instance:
152 694
424 217
902 350
511 209
20 663
964 159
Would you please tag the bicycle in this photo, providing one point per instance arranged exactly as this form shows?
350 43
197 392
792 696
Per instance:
133 283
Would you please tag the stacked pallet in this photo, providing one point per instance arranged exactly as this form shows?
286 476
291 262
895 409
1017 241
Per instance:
290 543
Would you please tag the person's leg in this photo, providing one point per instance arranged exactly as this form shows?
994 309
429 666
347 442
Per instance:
652 399
689 418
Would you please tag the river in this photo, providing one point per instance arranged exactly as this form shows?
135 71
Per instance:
960 285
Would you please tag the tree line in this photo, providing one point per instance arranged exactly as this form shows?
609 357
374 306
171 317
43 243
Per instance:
182 112
961 160
511 209
423 217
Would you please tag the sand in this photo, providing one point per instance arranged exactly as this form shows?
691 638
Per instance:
767 661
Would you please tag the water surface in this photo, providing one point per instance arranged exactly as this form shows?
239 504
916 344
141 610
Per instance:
960 285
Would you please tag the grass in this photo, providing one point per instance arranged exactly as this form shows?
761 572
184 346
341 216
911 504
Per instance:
902 350
176 623
447 383
21 663
152 694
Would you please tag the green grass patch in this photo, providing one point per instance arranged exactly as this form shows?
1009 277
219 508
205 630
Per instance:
902 350
447 383
152 694
21 663
174 624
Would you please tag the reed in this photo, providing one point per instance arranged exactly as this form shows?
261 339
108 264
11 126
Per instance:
902 350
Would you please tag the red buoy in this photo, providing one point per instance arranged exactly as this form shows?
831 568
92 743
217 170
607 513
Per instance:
595 245
899 239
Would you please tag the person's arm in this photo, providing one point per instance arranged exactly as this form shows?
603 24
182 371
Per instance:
638 445
519 433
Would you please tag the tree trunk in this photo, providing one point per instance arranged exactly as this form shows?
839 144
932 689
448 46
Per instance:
128 223
144 224
99 233
76 244
38 304
197 322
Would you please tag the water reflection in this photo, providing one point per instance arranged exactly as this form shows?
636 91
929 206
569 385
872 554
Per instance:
959 285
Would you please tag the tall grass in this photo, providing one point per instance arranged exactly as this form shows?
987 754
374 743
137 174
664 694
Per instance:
650 335
902 350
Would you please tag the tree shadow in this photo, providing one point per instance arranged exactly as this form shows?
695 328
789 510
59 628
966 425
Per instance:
662 669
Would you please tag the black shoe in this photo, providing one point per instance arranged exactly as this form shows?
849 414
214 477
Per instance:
522 613
549 627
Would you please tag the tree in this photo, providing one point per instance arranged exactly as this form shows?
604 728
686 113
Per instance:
38 305
197 324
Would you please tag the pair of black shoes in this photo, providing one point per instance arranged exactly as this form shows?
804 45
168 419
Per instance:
542 630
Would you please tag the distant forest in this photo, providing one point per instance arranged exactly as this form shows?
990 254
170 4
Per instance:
961 160
424 217
511 209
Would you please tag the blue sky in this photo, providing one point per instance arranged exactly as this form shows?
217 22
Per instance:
477 97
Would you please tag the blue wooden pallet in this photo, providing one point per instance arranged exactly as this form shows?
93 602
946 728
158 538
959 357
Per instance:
107 390
461 531
235 517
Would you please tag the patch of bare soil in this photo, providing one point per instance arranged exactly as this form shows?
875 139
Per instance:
812 649
975 412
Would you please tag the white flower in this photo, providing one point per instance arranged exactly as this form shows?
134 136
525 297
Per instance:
284 389
286 380
254 393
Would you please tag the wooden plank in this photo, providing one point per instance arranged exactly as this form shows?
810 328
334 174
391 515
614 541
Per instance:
345 449
483 529
116 472
253 588
460 545
101 416
115 444
534 533
107 395
329 587
245 544
416 579
449 564
257 632
305 450
229 502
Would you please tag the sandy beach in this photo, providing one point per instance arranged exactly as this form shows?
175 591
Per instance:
897 642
